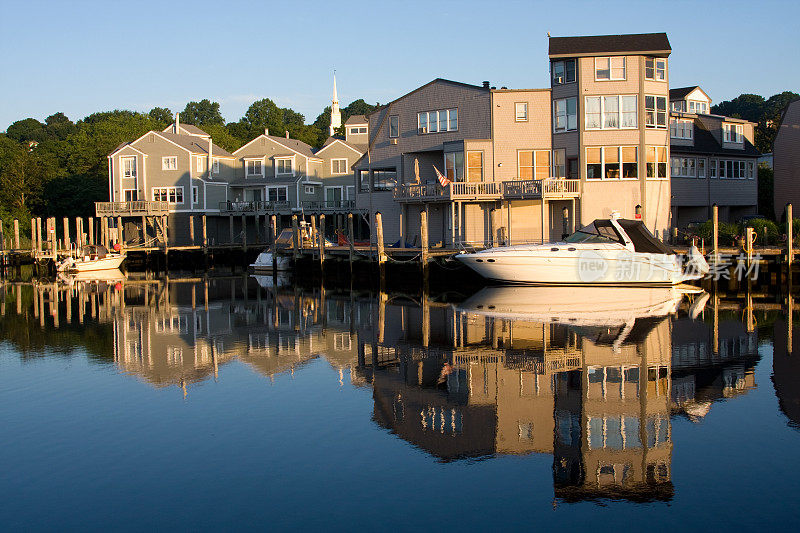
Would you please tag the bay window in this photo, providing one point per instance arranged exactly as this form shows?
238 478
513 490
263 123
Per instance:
173 195
612 162
683 167
655 108
611 112
734 133
609 68
565 114
657 162
655 69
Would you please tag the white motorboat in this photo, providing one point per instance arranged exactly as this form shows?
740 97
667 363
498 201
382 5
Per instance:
269 261
91 258
610 251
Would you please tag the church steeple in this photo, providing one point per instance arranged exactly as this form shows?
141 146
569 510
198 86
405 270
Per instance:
336 115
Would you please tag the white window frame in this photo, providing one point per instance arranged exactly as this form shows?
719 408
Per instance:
437 113
285 190
667 162
308 189
700 167
523 115
195 195
683 167
198 165
566 115
611 68
534 166
169 193
356 130
656 112
215 165
169 162
248 162
134 168
751 170
330 187
394 122
619 112
620 162
125 191
351 192
656 69
734 133
284 159
345 166
712 168
685 131
565 80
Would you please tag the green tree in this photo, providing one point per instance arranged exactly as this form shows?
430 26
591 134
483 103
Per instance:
58 126
202 113
766 191
263 114
27 130
161 115
747 106
22 176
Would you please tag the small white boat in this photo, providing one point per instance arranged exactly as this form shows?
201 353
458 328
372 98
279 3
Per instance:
91 258
611 251
264 262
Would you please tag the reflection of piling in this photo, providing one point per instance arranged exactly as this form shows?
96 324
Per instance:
296 239
715 346
350 237
789 236
715 230
321 238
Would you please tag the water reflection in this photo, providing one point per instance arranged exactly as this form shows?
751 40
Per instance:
592 377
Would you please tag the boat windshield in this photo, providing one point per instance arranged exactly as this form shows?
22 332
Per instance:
599 231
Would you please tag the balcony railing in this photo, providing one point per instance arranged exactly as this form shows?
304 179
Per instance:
137 207
329 205
253 207
490 190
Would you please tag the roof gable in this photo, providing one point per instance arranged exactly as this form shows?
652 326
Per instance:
186 129
333 140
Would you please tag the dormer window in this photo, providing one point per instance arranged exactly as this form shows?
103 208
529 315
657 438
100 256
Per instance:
358 130
734 133
254 168
284 167
698 107
681 129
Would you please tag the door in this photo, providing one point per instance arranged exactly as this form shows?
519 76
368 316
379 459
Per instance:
131 195
333 196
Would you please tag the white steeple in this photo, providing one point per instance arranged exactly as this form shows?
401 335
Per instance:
336 115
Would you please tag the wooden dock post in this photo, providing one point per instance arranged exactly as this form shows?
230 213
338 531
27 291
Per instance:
16 235
749 236
321 237
39 237
204 234
423 232
789 235
120 233
33 238
91 230
79 238
51 233
351 238
379 237
66 235
191 229
715 236
244 232
103 231
144 230
230 228
313 234
297 241
273 228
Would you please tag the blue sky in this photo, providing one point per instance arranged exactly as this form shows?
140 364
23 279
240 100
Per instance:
80 57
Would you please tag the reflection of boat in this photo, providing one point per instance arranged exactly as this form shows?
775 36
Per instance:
588 306
110 275
610 251
267 282
92 257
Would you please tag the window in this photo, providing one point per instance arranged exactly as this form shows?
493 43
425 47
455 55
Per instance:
683 167
611 112
384 180
565 114
750 170
283 166
655 108
474 166
169 162
254 168
734 133
712 168
655 69
679 106
128 167
394 126
559 163
437 121
199 164
594 163
609 68
736 170
173 195
657 162
130 195
681 129
277 194
534 164
701 168
612 162
698 107
358 130
630 162
563 72
454 166
521 111
362 178
195 195
338 166
215 166
308 189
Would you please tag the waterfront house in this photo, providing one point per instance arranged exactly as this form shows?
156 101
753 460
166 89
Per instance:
713 161
786 159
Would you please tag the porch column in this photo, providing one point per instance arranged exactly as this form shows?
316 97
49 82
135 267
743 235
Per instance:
508 231
543 217
453 224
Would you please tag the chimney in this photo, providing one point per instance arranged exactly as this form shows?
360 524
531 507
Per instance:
210 158
177 123
287 134
266 131
486 84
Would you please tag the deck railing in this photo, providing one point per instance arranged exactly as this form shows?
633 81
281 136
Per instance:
324 205
136 207
489 190
253 206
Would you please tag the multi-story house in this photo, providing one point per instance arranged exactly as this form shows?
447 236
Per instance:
786 159
713 161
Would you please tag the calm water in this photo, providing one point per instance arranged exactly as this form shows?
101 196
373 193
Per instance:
219 403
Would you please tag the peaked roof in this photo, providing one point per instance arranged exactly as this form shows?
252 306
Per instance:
360 148
610 44
194 145
683 92
292 144
188 128
356 119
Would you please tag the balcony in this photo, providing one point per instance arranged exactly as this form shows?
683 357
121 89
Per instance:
329 205
550 188
135 208
261 207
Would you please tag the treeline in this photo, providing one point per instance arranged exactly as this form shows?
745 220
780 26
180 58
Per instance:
766 112
59 167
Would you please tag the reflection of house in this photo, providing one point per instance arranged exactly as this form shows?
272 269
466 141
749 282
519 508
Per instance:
786 159
786 370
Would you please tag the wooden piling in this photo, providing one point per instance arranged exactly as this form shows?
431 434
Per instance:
91 230
244 232
230 228
321 237
273 228
423 232
79 238
120 233
16 235
715 236
33 237
39 236
296 239
51 232
191 229
204 233
749 238
789 235
351 237
66 235
379 238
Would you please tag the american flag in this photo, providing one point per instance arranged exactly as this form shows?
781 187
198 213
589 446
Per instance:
443 180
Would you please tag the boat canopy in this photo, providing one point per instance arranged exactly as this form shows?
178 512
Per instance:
95 251
643 241
601 230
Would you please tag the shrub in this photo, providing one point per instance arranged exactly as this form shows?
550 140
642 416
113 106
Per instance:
728 233
767 231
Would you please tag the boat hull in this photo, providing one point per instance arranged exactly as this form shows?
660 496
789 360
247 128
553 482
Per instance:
109 262
264 263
